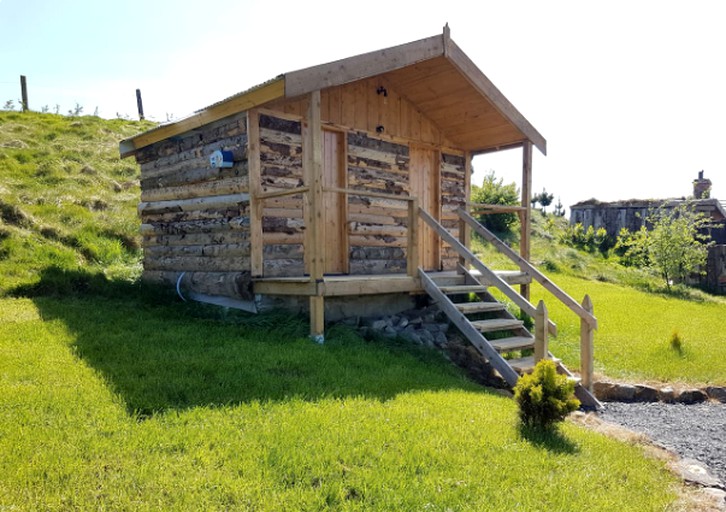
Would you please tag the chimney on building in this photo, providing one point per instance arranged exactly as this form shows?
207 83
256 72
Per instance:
701 187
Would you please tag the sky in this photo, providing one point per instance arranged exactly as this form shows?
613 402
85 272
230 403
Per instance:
630 94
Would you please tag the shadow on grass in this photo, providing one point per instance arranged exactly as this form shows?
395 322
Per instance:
549 438
160 354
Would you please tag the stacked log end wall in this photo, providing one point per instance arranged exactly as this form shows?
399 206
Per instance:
377 227
453 197
195 218
283 224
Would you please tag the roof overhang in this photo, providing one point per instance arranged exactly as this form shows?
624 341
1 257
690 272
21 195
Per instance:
434 74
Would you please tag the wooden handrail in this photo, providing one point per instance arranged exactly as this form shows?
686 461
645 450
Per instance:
494 208
282 193
469 256
527 267
381 195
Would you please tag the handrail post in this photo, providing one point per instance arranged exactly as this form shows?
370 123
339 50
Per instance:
540 333
412 242
586 347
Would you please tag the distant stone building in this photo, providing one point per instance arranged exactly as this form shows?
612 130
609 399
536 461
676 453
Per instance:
633 213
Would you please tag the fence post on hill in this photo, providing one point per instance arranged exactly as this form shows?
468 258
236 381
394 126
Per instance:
586 347
139 104
24 93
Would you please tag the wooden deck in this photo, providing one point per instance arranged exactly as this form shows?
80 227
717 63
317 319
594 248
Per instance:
341 285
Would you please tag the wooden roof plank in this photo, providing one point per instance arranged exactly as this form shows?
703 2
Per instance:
490 91
362 66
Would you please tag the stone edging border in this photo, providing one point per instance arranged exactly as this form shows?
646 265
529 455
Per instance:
607 391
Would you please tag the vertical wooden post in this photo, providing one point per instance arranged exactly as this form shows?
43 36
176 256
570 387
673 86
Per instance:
140 104
541 349
255 184
413 239
526 215
587 347
313 163
24 93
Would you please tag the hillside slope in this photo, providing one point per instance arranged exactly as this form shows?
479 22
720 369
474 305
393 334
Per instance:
66 199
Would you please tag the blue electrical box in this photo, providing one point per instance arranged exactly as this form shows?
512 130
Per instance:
220 159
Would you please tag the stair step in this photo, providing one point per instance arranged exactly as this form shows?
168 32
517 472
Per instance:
479 307
513 343
467 288
497 324
525 364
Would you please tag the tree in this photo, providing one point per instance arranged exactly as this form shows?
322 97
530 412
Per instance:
543 198
676 246
494 191
559 209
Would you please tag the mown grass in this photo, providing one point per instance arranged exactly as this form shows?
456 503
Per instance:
139 403
634 338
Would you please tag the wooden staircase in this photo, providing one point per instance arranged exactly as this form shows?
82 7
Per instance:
497 334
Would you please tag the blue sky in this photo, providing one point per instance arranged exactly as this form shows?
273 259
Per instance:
630 95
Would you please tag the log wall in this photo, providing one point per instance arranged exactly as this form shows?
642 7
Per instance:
197 220
194 218
283 223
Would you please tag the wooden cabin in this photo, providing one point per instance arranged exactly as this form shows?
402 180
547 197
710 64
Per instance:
339 182
397 126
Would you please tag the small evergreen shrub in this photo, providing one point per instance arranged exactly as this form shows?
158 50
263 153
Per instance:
544 397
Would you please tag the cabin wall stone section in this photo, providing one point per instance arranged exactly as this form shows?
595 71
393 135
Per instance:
194 218
283 222
377 227
453 197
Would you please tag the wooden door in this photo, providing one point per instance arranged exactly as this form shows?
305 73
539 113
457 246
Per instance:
335 230
425 183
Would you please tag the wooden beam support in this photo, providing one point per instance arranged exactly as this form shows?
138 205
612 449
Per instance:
412 250
586 347
541 350
314 244
255 185
525 216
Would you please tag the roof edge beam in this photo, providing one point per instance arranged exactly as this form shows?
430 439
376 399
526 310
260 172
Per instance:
362 66
234 105
472 73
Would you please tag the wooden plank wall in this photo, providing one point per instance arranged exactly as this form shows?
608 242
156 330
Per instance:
282 218
195 218
359 106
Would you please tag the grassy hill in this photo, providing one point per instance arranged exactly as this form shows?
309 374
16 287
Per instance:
66 200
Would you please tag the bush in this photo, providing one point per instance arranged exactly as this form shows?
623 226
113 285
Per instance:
544 397
494 191
589 239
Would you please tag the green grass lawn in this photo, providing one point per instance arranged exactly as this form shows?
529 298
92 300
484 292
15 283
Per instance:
633 342
139 403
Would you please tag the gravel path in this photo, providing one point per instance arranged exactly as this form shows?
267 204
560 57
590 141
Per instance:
692 431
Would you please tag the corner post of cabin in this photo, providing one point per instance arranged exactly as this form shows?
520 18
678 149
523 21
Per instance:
255 187
526 214
315 248
413 239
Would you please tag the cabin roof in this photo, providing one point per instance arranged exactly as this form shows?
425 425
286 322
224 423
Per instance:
433 73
